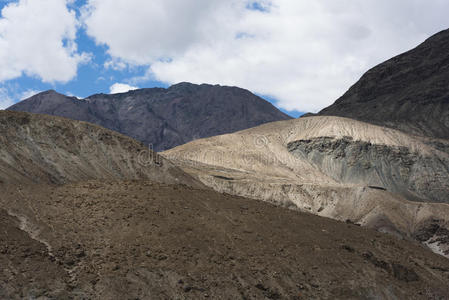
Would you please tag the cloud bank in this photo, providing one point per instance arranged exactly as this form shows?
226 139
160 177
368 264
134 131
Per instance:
303 53
37 38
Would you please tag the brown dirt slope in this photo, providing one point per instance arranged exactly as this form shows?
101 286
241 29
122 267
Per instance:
146 240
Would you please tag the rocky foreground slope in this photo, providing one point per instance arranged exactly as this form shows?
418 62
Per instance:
47 149
163 118
145 240
408 92
334 167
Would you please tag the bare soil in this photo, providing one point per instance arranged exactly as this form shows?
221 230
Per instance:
148 240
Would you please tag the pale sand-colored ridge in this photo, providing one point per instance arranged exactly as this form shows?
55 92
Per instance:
257 163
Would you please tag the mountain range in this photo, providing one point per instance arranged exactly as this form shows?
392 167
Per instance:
162 118
408 92
85 216
385 161
245 202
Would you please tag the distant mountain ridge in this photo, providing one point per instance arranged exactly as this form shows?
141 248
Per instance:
164 118
409 92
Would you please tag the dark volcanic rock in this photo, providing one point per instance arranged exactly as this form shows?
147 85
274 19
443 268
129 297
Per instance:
164 118
408 92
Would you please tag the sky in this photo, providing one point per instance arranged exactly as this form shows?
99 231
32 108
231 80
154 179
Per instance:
301 55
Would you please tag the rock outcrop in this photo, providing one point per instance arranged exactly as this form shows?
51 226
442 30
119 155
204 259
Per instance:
416 176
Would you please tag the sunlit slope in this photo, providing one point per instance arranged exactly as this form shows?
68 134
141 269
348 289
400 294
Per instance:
330 166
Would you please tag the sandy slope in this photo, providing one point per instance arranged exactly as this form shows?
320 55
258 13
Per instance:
255 149
257 163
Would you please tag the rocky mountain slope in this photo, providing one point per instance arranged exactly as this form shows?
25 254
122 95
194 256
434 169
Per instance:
144 240
144 229
408 92
333 167
46 149
88 213
163 118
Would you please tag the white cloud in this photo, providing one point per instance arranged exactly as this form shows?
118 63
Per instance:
143 31
28 93
5 99
37 38
115 64
117 88
304 53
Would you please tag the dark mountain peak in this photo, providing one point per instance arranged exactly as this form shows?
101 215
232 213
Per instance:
187 88
193 86
43 101
47 93
213 90
162 117
408 92
48 96
183 84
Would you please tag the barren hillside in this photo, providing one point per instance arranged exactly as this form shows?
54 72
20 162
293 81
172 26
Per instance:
46 149
144 240
330 166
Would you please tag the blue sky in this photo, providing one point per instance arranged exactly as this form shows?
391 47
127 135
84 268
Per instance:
299 55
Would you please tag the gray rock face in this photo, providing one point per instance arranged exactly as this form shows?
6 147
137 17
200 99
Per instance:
164 118
409 92
397 169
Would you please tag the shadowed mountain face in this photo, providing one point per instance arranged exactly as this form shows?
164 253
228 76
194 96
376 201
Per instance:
409 92
163 118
